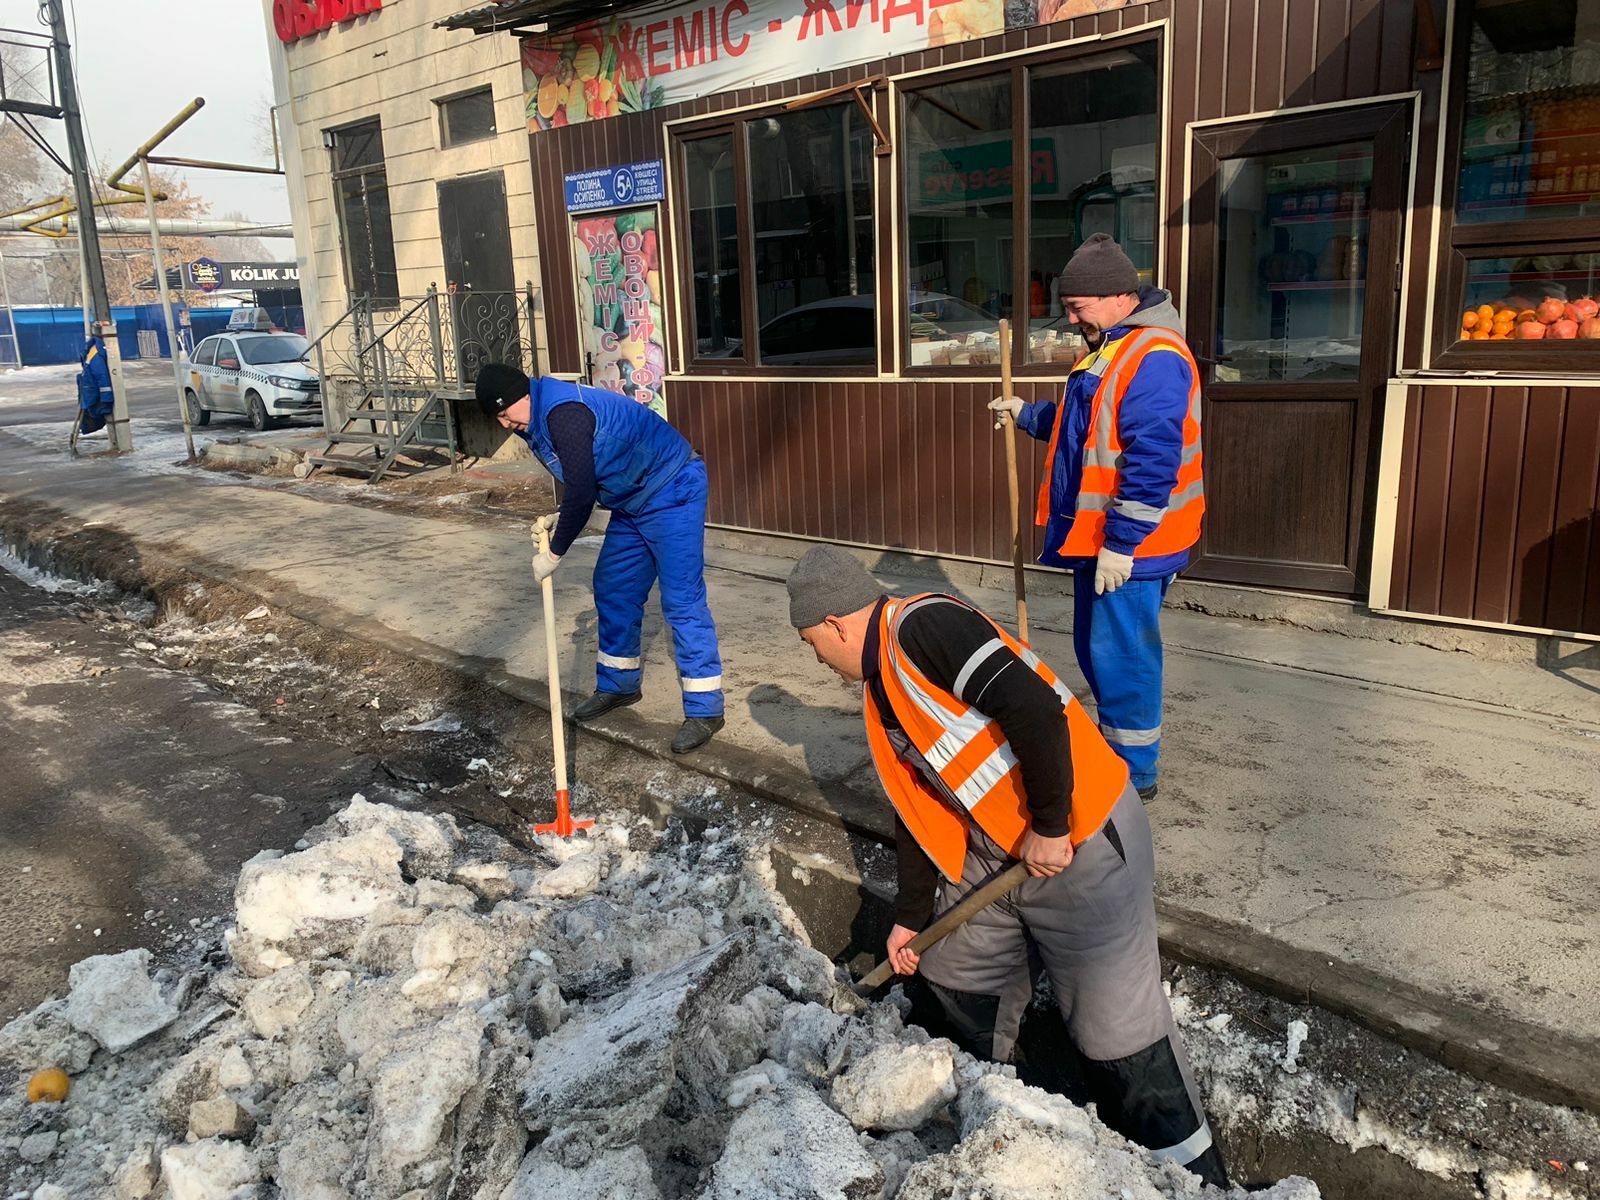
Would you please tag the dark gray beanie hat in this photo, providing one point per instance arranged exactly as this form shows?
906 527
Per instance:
828 582
1099 268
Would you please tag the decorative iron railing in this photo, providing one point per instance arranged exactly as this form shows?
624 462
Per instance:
437 340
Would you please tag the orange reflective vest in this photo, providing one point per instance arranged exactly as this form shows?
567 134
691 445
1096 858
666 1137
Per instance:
972 757
1178 524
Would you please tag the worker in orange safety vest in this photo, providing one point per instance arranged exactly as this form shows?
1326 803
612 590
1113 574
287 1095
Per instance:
987 757
1123 494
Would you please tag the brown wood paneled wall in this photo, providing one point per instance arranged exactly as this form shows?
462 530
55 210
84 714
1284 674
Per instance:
1500 506
1259 56
916 466
591 145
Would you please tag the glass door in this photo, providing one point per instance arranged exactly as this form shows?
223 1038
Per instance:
1293 268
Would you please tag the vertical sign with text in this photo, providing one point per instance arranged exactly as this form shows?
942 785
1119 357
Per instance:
618 260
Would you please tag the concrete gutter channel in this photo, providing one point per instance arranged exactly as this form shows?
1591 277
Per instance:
832 864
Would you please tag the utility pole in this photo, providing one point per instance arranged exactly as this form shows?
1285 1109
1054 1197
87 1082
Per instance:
174 350
118 429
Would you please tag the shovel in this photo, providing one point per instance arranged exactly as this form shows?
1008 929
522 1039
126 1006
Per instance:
1019 581
563 825
970 905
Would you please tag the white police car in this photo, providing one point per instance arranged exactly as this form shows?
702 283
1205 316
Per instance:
251 369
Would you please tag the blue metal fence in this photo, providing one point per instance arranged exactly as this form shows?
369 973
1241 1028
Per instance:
55 335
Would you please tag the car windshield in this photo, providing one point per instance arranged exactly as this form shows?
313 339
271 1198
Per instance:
279 348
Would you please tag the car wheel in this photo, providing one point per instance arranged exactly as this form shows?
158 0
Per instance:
197 416
259 420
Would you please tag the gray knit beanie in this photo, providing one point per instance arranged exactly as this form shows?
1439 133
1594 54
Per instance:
828 582
1099 268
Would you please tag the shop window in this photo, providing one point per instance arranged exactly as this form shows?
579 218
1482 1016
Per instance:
1523 229
468 118
1093 134
714 247
365 226
783 200
1291 266
959 219
1091 162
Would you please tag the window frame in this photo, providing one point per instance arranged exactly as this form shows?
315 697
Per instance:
1022 192
442 103
337 178
1462 242
732 125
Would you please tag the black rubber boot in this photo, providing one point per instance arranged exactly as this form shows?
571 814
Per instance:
695 732
604 702
1148 794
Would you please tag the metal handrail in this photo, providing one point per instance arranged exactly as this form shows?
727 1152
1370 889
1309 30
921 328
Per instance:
399 321
354 304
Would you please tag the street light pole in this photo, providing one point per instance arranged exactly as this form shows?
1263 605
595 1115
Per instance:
166 303
118 428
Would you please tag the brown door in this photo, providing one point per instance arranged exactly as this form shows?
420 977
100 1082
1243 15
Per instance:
1293 271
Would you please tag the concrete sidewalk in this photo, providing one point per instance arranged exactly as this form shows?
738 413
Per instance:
1398 833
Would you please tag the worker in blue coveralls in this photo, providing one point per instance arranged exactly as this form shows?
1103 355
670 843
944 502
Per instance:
1123 496
603 446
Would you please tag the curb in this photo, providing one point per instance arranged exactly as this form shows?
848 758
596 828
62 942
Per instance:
246 455
1534 1061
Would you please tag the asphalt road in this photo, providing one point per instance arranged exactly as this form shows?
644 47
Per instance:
45 394
129 788
49 394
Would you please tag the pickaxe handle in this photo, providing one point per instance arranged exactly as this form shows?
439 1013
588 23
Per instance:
952 919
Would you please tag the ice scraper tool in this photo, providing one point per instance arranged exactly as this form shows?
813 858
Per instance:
957 915
563 825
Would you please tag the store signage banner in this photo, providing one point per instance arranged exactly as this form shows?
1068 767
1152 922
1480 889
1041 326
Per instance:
618 261
296 19
208 275
667 53
616 187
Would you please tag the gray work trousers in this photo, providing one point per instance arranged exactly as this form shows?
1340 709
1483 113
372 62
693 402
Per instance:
1093 927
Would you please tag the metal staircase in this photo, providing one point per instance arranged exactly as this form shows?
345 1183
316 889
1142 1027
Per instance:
407 364
382 426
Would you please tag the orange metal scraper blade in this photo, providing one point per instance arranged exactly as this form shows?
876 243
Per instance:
563 825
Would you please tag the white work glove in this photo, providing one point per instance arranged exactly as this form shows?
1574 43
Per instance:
544 565
1111 571
1003 405
546 523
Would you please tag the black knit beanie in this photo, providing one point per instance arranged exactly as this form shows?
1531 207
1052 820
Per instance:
499 386
1099 268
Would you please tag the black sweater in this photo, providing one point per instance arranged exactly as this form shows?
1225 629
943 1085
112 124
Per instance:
572 435
945 640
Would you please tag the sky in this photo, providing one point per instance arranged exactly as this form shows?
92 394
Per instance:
140 61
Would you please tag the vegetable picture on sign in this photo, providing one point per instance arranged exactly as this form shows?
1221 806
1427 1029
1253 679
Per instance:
668 51
590 75
618 257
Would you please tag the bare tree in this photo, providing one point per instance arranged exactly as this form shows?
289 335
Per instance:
180 203
243 248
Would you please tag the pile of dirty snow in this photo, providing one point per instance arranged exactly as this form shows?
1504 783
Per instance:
406 1009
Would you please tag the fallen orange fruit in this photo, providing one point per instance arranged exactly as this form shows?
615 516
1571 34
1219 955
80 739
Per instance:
49 1084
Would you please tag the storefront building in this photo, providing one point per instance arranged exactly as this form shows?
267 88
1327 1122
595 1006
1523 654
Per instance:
407 164
796 222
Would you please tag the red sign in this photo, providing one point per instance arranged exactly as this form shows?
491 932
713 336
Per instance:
295 19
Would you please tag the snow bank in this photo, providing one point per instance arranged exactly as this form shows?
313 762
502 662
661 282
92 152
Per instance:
630 1016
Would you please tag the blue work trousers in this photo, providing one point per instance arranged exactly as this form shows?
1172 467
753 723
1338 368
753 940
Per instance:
665 543
1118 640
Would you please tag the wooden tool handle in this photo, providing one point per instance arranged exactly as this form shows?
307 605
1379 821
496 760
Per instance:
558 728
958 915
1019 581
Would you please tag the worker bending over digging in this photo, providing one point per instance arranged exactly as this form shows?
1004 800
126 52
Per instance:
601 445
987 757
